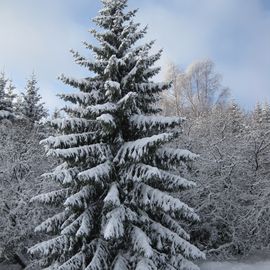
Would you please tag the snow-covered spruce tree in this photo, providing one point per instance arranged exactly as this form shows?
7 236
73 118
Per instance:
6 98
117 175
30 105
10 95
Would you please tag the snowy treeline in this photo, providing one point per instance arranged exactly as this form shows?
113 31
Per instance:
233 171
22 160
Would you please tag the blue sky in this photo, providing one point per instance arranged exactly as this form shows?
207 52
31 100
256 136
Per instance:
235 34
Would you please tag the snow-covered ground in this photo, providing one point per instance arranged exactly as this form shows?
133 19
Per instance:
265 265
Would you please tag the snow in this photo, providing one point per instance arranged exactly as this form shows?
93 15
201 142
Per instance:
111 84
107 119
177 154
146 87
5 114
141 243
141 172
111 63
130 75
145 264
114 227
100 108
80 198
155 199
113 195
51 197
135 150
86 225
120 263
91 110
50 247
177 242
263 265
72 123
145 122
82 97
82 152
96 174
68 140
127 97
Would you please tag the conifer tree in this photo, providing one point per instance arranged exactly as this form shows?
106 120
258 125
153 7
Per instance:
6 97
117 175
266 114
257 114
10 95
235 118
30 105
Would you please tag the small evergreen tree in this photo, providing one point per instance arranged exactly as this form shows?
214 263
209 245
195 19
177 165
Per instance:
30 105
257 114
266 114
10 95
235 118
6 97
117 176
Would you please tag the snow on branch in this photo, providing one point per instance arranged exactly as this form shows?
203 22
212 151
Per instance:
62 174
96 67
100 258
96 174
112 197
151 87
173 156
5 114
70 140
86 85
73 227
128 38
154 199
82 98
141 242
81 225
135 150
99 150
53 197
52 224
81 198
74 263
174 262
114 227
112 84
179 262
128 102
178 244
107 119
160 122
74 124
120 263
174 226
87 223
145 264
50 247
157 177
94 110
